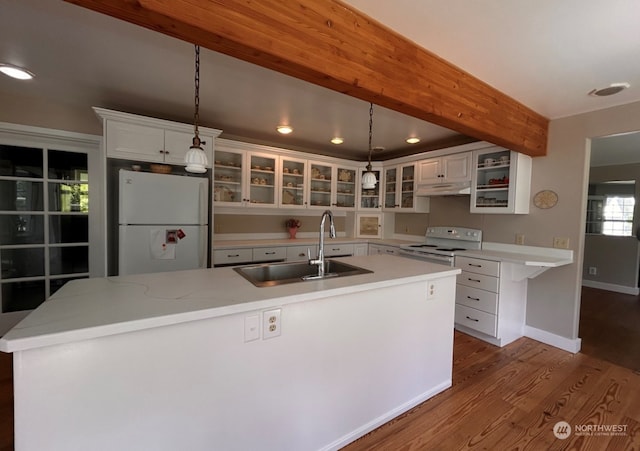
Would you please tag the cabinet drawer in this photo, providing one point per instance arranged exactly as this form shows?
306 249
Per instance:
262 254
299 253
477 320
478 281
478 266
231 256
339 249
486 301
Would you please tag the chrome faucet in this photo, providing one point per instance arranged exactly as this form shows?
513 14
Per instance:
319 262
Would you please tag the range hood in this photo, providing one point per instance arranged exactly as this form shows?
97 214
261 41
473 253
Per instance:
444 189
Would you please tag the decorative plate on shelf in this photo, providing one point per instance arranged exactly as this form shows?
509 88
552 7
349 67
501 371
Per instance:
545 199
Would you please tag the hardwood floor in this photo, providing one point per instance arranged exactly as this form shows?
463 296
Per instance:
501 399
610 326
510 398
6 402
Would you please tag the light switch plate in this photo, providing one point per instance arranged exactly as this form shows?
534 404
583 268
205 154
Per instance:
251 328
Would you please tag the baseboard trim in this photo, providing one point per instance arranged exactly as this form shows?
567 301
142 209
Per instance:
376 422
558 341
611 287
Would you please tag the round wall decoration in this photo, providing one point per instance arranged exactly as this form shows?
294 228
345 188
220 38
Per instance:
545 199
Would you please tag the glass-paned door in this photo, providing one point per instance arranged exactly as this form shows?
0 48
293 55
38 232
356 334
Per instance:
345 188
44 228
320 183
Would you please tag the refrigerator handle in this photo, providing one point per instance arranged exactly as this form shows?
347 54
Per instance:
203 196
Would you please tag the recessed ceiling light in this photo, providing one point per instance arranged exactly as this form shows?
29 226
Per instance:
413 140
612 89
337 140
16 72
284 129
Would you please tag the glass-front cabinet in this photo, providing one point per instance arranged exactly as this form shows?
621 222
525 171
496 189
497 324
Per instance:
345 188
400 190
262 180
370 199
322 176
228 177
501 181
390 191
293 174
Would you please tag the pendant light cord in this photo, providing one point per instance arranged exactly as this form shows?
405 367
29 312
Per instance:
370 134
196 115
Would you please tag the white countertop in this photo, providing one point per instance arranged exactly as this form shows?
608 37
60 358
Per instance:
524 255
227 244
91 308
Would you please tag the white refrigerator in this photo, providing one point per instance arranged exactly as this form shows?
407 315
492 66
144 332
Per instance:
162 222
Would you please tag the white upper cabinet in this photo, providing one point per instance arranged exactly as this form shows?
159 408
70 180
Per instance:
501 181
345 188
229 177
133 137
322 187
370 199
261 180
293 182
455 168
399 185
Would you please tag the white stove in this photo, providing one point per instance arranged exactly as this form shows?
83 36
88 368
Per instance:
441 244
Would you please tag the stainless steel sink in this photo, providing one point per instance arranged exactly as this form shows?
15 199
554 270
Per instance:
273 274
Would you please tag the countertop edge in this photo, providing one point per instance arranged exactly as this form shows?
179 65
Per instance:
10 344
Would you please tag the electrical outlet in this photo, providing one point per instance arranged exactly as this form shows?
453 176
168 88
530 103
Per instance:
561 242
593 271
431 290
251 328
271 325
519 238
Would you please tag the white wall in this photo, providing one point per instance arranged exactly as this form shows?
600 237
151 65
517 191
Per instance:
554 297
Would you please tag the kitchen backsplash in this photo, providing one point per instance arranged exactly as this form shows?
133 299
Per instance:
268 224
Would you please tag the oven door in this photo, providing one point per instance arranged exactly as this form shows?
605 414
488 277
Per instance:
431 258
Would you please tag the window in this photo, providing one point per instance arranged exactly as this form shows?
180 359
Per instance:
46 220
618 215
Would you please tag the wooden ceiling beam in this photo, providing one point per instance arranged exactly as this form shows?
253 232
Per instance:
328 43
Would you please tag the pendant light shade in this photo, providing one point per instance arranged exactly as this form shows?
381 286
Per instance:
369 178
195 159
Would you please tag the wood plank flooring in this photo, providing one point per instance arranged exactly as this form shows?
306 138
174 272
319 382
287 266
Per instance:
510 399
610 326
507 398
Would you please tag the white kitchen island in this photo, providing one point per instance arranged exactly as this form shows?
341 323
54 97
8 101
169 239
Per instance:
169 361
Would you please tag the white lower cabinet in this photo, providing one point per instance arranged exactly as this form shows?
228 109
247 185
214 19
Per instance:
377 249
489 305
338 250
299 253
265 254
230 257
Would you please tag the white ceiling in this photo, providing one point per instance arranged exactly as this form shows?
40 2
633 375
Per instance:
544 53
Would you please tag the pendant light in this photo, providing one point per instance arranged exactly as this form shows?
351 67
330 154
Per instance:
369 178
196 159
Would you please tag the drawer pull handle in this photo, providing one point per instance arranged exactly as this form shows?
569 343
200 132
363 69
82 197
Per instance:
233 255
473 319
476 266
269 253
302 254
473 299
473 280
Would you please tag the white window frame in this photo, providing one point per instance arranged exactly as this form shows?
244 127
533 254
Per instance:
43 138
